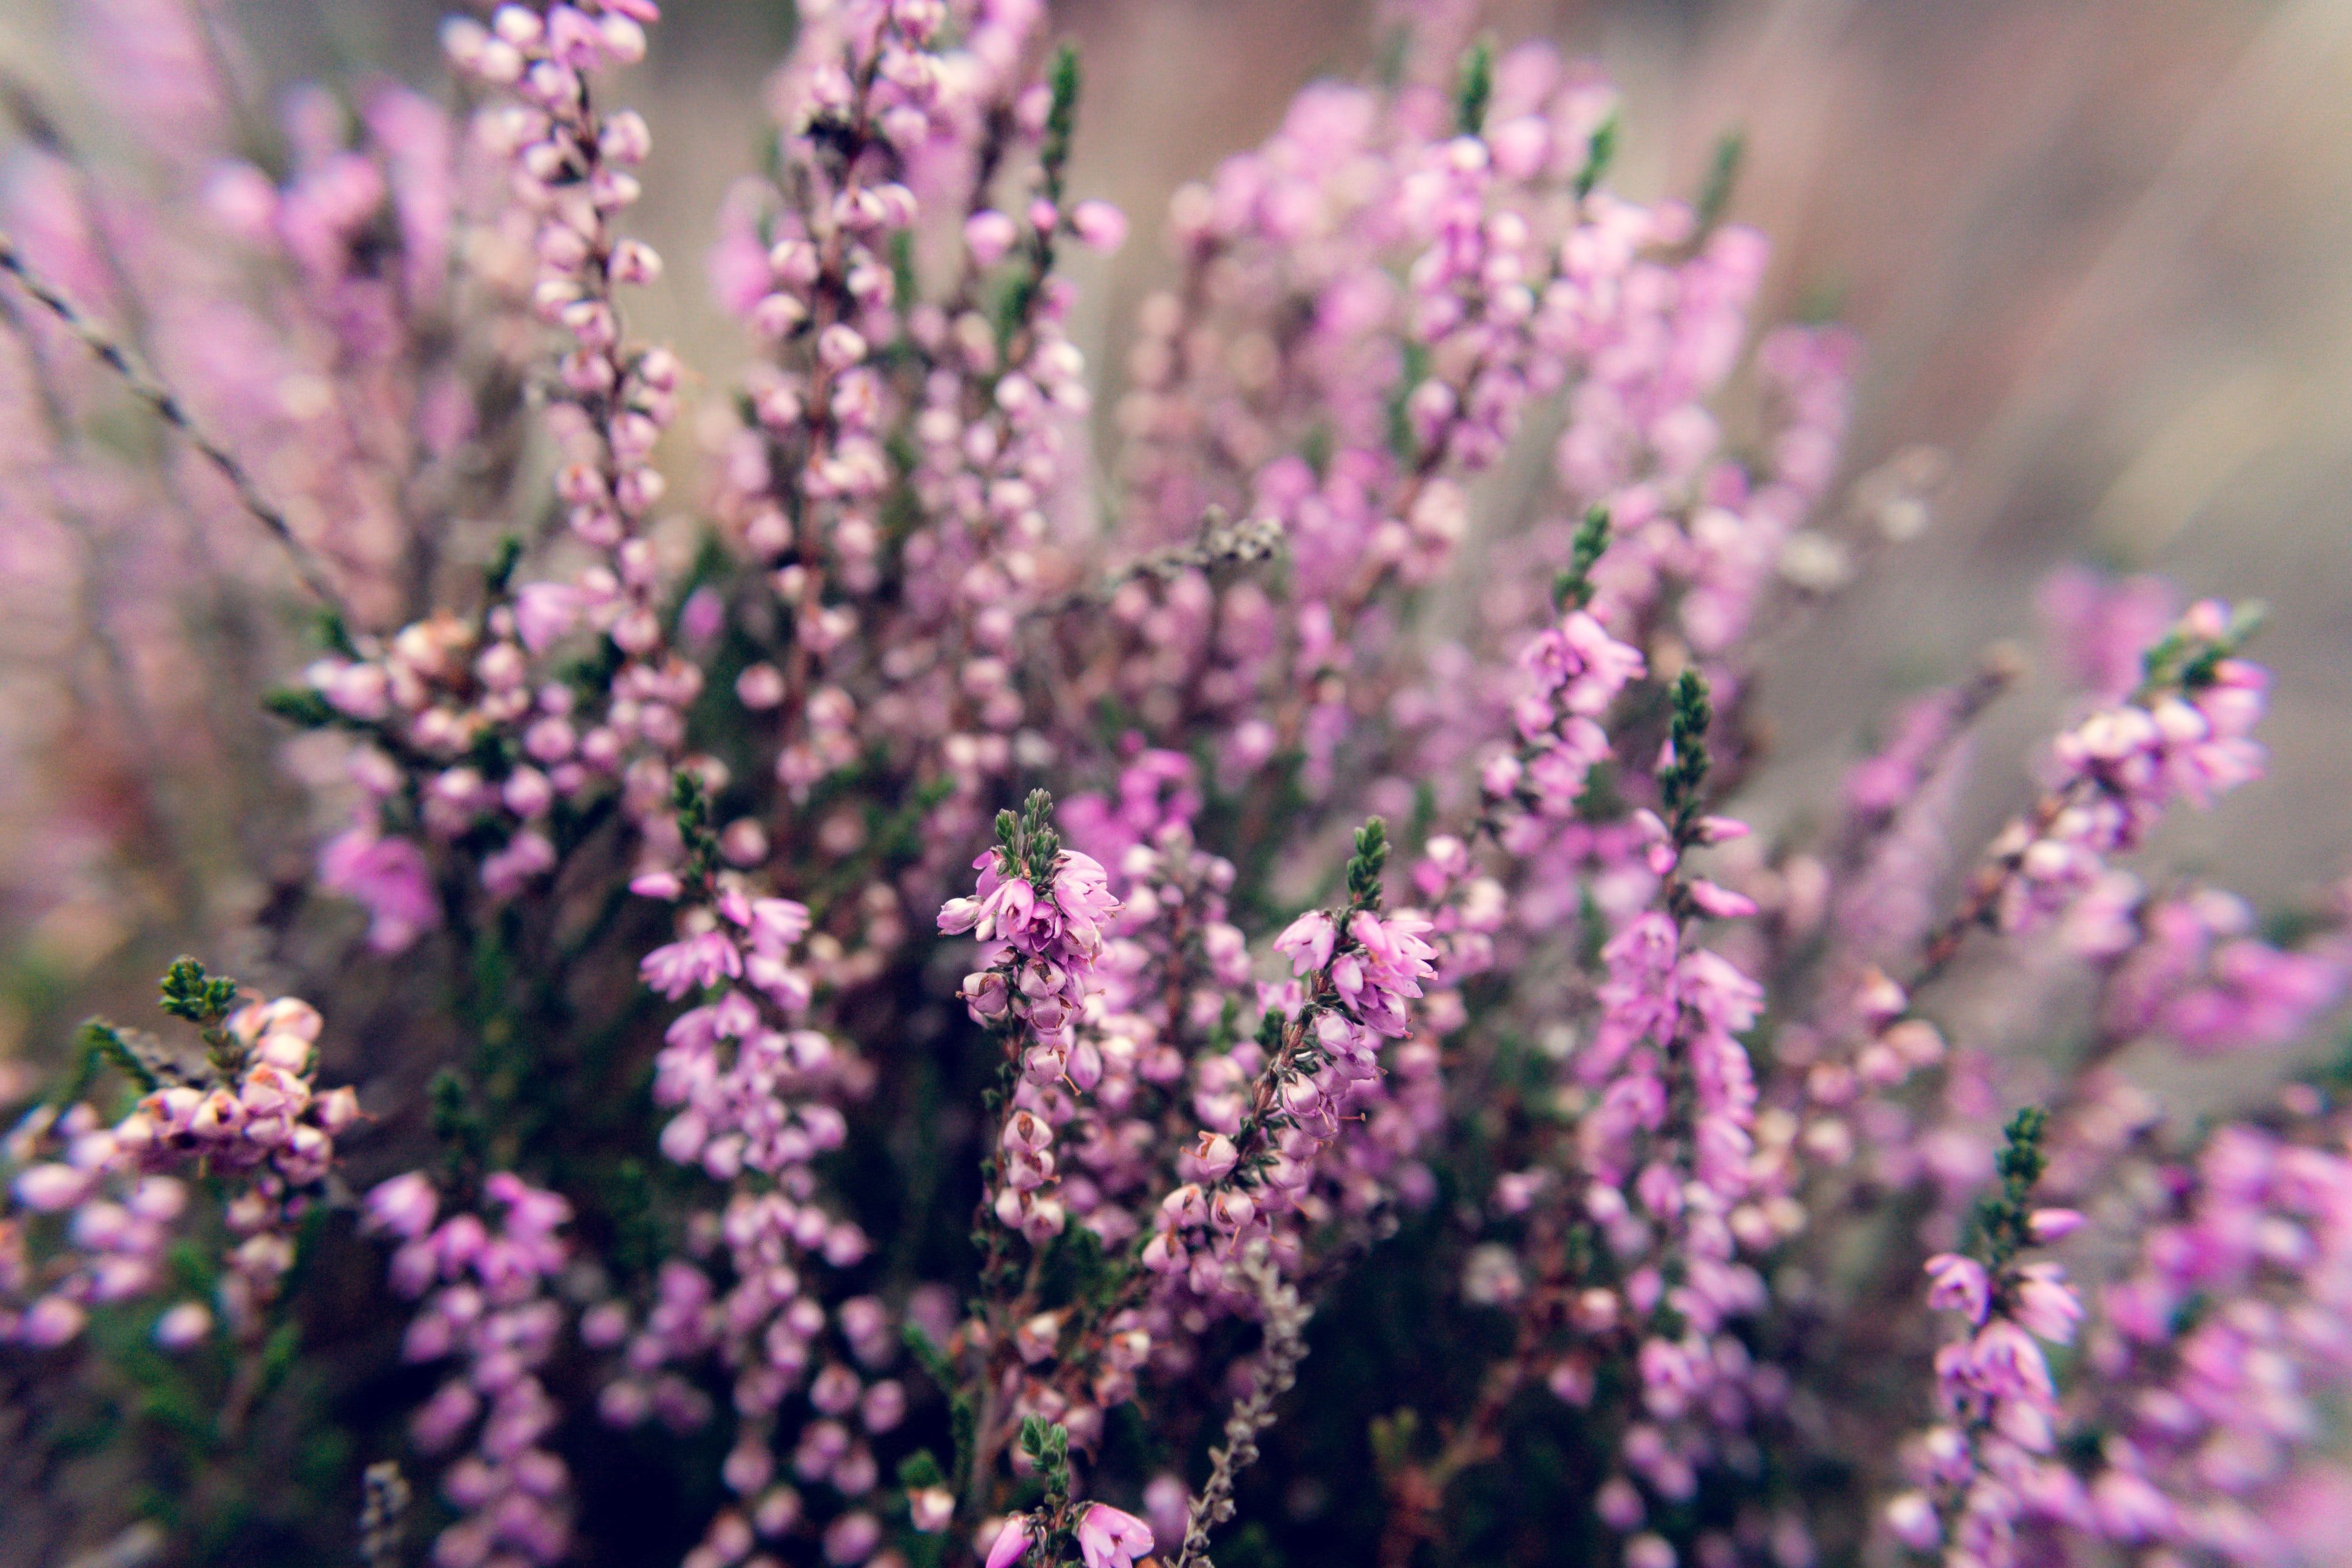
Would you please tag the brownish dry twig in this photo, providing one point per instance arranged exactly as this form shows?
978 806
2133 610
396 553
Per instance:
167 405
1285 1347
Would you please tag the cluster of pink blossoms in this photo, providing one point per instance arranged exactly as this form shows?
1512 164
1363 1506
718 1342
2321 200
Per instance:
881 109
2205 1363
2189 966
119 1231
1576 670
1989 1458
759 1098
1258 1165
255 1118
2183 734
1671 1099
436 698
485 1284
1665 1167
1106 1538
1040 911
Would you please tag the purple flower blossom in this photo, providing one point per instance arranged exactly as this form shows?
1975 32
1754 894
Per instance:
1959 1285
1012 1542
386 875
696 963
1110 1539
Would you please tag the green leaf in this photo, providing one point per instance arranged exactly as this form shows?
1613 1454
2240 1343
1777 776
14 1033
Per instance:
918 1471
501 570
1598 155
1722 177
1474 89
1574 586
300 706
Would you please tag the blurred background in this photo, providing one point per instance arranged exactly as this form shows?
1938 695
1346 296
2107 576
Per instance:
2095 249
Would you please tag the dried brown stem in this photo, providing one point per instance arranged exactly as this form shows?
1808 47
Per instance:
1285 1347
167 405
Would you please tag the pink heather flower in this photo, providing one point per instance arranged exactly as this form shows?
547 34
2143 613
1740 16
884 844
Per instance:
1082 895
525 856
1108 1538
545 612
51 1321
2045 1304
697 962
52 1188
958 915
1913 1520
1099 225
2005 1362
1393 963
1619 1504
1214 1156
777 923
1166 1499
358 691
1583 663
1959 1284
1649 1551
852 1538
1720 902
184 1325
388 877
1000 910
1012 1542
404 1205
2129 1509
989 235
1308 940
932 1508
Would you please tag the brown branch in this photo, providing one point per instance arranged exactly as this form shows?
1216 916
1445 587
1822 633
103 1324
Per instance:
172 412
1253 1413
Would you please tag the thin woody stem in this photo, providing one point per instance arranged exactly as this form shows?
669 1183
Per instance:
167 405
1285 1347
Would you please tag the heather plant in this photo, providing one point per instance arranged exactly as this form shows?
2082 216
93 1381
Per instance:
893 990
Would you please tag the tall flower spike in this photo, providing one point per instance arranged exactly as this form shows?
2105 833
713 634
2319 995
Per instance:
1041 911
1991 1458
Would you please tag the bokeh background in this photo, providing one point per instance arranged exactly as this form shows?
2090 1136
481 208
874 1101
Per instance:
2099 252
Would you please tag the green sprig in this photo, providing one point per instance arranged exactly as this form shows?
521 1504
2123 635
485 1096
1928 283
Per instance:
1027 846
499 574
1722 180
1060 120
691 801
1574 588
1682 781
189 993
1474 89
2006 1222
203 1000
1367 864
102 1046
2191 663
1599 153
